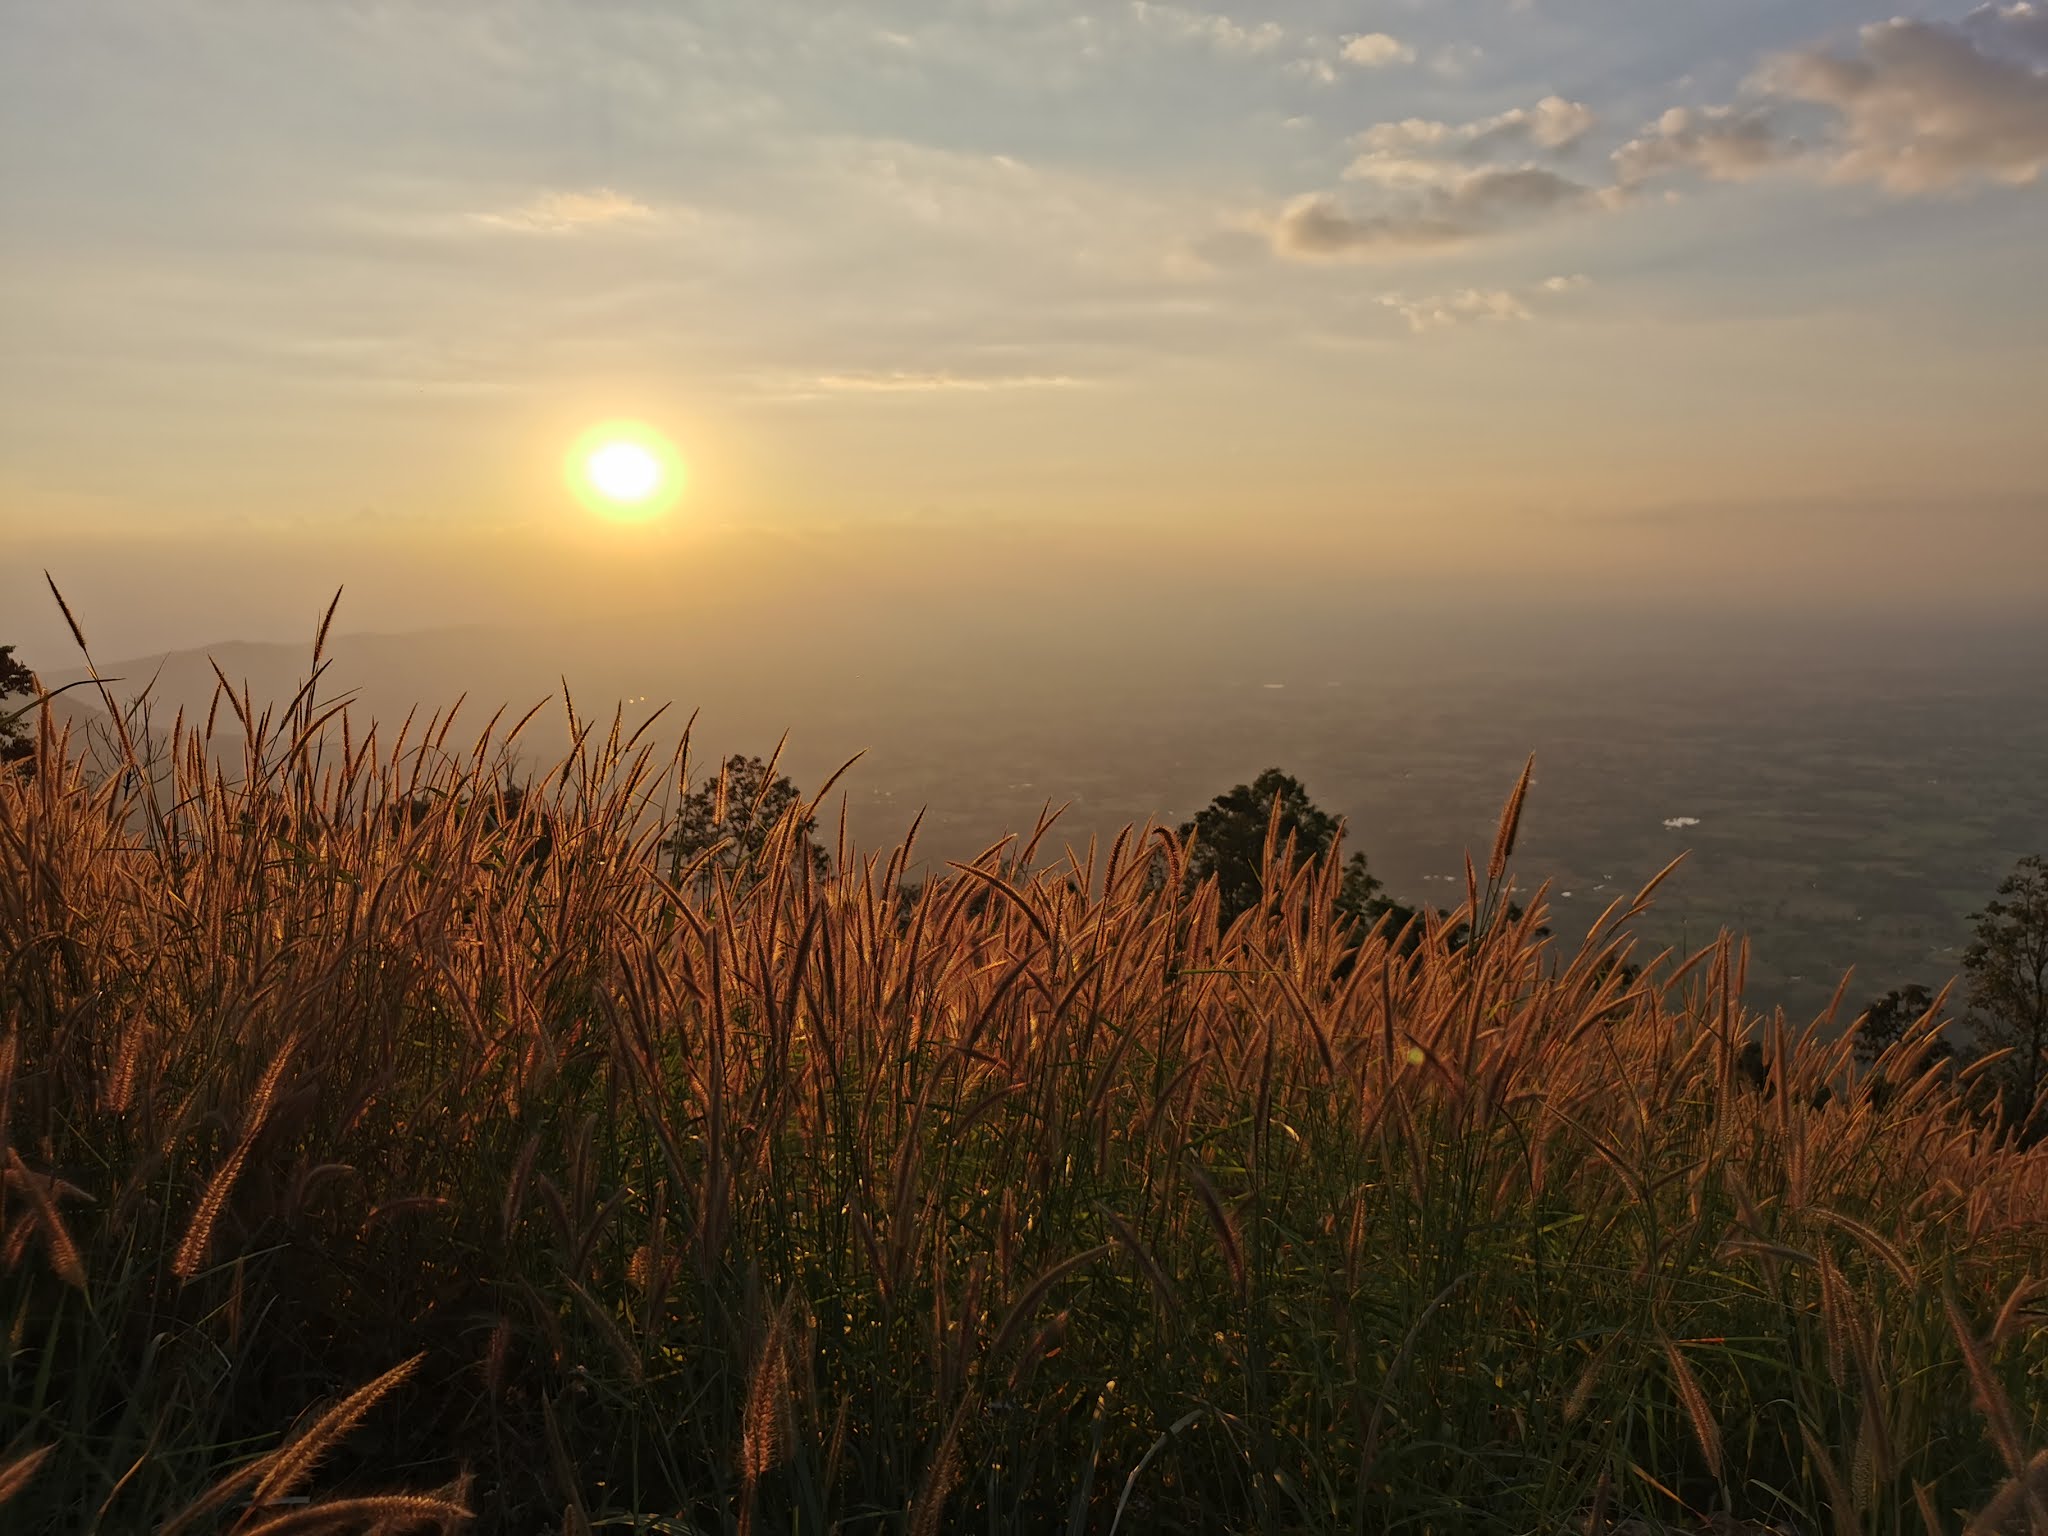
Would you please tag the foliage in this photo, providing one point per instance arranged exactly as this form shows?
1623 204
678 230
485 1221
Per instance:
728 825
2004 1034
16 738
1886 1021
1231 837
2006 966
588 1201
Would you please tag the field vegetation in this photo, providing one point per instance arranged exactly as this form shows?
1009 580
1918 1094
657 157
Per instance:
385 1151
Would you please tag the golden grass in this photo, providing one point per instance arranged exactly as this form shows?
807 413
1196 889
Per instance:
774 1203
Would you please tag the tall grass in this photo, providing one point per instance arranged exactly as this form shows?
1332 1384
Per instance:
556 1193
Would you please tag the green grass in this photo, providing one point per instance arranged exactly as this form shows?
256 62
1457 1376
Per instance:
784 1209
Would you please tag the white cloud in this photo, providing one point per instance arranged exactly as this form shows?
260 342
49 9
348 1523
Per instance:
561 213
1553 123
1915 106
820 386
1375 50
1435 312
1924 105
1405 136
1219 32
1438 311
1412 151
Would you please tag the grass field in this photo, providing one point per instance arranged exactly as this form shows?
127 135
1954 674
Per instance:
368 1171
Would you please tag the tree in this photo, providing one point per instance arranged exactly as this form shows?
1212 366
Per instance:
1230 843
2005 975
17 737
2007 970
735 814
497 813
1887 1019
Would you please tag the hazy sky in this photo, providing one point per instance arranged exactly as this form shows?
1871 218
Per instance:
1743 293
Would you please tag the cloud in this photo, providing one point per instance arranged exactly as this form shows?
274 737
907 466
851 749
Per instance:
2021 28
1375 50
1405 136
1926 105
1553 123
1481 202
1724 143
1413 151
1915 106
559 213
819 386
1436 312
1219 32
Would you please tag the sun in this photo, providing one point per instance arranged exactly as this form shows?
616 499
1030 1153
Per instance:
625 471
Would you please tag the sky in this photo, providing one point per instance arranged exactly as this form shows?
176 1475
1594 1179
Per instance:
1731 302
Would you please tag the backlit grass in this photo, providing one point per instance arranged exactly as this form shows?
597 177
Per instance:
377 1162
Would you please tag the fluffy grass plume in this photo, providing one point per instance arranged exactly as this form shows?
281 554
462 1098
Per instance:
598 1202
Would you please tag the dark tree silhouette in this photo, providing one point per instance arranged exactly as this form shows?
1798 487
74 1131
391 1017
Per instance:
17 735
2007 970
732 817
1230 843
2005 976
1887 1019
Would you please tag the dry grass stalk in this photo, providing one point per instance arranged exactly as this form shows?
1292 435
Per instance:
1840 1500
765 1438
1991 1399
947 1079
16 1471
1133 1245
390 1513
1221 1221
1025 1306
42 1192
1834 1309
2012 1316
191 1254
1872 1240
1510 824
1923 1502
292 1463
1589 1377
941 1475
1704 1428
2025 1494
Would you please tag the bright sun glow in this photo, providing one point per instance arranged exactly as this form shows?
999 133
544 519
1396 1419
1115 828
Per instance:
625 471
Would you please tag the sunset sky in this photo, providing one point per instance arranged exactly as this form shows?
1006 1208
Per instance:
294 292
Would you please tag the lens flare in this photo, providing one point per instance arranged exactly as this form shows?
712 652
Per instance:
625 471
